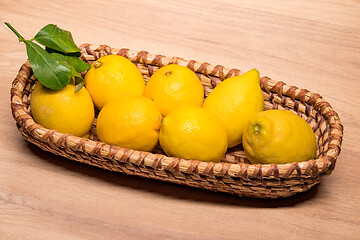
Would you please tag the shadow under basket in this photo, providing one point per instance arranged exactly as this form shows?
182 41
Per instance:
233 175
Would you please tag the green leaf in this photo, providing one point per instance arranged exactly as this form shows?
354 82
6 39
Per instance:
79 81
54 37
77 63
59 62
52 73
75 54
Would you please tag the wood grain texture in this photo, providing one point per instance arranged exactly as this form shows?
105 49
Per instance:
310 44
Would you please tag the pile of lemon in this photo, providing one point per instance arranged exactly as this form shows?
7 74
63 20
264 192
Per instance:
170 110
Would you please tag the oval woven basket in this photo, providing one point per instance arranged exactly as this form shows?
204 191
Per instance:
234 174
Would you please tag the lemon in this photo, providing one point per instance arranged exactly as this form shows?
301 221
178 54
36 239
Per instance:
278 136
113 76
172 86
130 122
192 132
234 101
62 110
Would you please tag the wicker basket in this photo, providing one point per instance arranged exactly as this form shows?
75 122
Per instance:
234 174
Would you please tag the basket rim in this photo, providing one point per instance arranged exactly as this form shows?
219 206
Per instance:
314 167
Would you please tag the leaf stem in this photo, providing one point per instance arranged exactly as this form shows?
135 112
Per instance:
14 31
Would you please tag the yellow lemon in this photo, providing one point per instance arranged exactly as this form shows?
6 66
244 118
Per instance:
113 76
278 136
191 132
172 86
235 101
130 122
62 110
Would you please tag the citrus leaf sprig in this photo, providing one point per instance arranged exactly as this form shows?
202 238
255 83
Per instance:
55 65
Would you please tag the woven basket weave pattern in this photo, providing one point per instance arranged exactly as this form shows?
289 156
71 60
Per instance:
233 174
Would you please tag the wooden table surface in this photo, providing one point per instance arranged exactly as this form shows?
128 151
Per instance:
311 44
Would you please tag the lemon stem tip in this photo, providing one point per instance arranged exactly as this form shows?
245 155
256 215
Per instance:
97 64
257 128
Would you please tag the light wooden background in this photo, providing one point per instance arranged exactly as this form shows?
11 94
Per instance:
312 44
